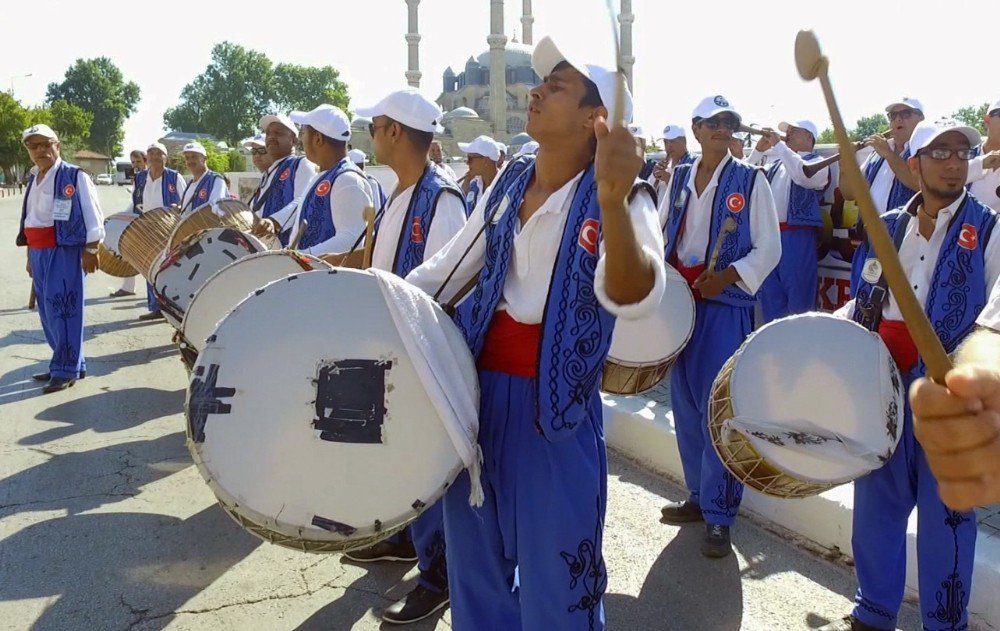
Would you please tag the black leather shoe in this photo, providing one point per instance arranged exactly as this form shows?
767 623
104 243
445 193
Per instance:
152 315
416 605
717 543
849 623
682 512
121 293
384 551
56 384
44 376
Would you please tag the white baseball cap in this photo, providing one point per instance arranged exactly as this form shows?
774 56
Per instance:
712 105
927 132
281 119
996 106
157 145
483 146
357 156
547 56
913 104
807 125
503 147
39 130
256 141
326 119
636 130
194 147
673 132
408 107
739 135
529 147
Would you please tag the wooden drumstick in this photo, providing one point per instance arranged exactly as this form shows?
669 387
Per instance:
298 235
369 237
32 297
813 65
727 226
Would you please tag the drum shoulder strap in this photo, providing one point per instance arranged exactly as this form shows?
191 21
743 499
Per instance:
879 296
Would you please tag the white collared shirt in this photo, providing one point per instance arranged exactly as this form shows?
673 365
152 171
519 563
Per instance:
765 236
41 200
219 191
152 192
985 183
444 166
303 178
919 258
350 194
536 245
790 172
881 186
449 219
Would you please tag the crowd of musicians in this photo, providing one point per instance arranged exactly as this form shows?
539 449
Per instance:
580 212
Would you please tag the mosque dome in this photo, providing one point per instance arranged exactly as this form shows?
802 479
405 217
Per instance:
520 139
460 112
515 55
360 122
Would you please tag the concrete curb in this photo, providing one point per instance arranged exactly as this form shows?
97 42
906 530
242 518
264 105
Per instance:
643 429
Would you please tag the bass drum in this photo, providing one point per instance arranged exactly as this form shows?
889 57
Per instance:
318 417
109 259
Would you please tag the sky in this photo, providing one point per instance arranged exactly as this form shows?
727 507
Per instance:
879 50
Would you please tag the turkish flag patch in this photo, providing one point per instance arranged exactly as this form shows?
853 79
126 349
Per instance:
172 188
285 175
969 237
202 194
417 231
322 189
69 191
590 231
736 202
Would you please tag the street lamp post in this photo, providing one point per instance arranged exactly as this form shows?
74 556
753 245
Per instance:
19 76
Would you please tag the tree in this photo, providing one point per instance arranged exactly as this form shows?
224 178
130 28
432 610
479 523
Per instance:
98 86
973 116
869 126
13 121
826 137
304 88
228 98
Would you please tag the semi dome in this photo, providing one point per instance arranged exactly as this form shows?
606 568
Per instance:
460 112
515 55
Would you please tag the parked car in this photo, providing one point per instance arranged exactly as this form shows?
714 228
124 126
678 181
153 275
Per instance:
104 178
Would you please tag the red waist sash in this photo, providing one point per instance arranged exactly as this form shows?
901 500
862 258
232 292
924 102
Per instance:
511 347
691 274
897 339
41 237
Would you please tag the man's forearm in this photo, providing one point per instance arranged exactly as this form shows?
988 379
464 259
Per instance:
629 276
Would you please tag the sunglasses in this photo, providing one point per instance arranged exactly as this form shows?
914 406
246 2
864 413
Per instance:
372 127
261 151
35 146
901 114
723 122
945 154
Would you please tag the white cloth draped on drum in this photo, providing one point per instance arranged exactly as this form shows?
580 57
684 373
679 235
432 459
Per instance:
451 390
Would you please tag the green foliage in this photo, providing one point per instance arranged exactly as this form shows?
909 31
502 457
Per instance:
869 126
304 88
97 86
13 121
826 137
972 116
218 160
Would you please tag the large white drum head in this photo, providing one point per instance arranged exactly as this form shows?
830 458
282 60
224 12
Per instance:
308 419
230 285
662 334
184 271
818 375
113 228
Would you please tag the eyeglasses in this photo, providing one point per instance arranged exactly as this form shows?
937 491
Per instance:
994 114
725 122
372 127
260 151
35 146
901 114
945 154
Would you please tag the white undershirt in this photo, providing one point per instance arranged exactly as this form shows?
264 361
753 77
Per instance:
350 195
41 200
765 236
152 192
881 186
790 172
536 245
219 191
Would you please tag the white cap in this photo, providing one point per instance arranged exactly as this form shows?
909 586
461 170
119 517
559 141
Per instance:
503 147
157 145
636 130
996 106
529 147
357 156
739 135
410 108
547 56
913 104
39 130
927 132
256 141
194 147
713 105
673 132
281 119
326 119
483 146
807 125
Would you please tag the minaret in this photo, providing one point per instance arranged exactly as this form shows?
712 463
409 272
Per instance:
627 61
526 21
413 44
498 71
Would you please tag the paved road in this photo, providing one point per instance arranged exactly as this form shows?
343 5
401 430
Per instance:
105 523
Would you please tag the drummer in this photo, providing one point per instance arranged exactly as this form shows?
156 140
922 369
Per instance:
164 187
945 229
138 160
791 288
331 214
206 187
61 225
675 145
287 179
258 152
715 187
424 212
359 159
738 144
483 156
566 248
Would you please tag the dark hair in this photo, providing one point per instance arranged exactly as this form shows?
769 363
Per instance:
421 140
336 144
136 152
591 96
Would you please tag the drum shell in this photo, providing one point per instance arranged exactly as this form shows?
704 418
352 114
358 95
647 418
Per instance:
146 238
206 218
109 260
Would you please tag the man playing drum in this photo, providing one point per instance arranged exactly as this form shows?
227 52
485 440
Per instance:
564 250
940 230
206 187
61 225
258 153
288 177
715 189
164 187
484 156
138 159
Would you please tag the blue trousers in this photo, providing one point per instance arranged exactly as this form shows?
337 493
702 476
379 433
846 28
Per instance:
57 274
946 542
719 329
791 288
151 303
427 533
530 557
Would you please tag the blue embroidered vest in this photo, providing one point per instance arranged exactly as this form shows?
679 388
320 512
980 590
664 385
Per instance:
73 231
736 179
898 194
687 159
803 203
958 290
472 197
139 183
169 191
316 207
647 169
417 223
202 192
281 191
